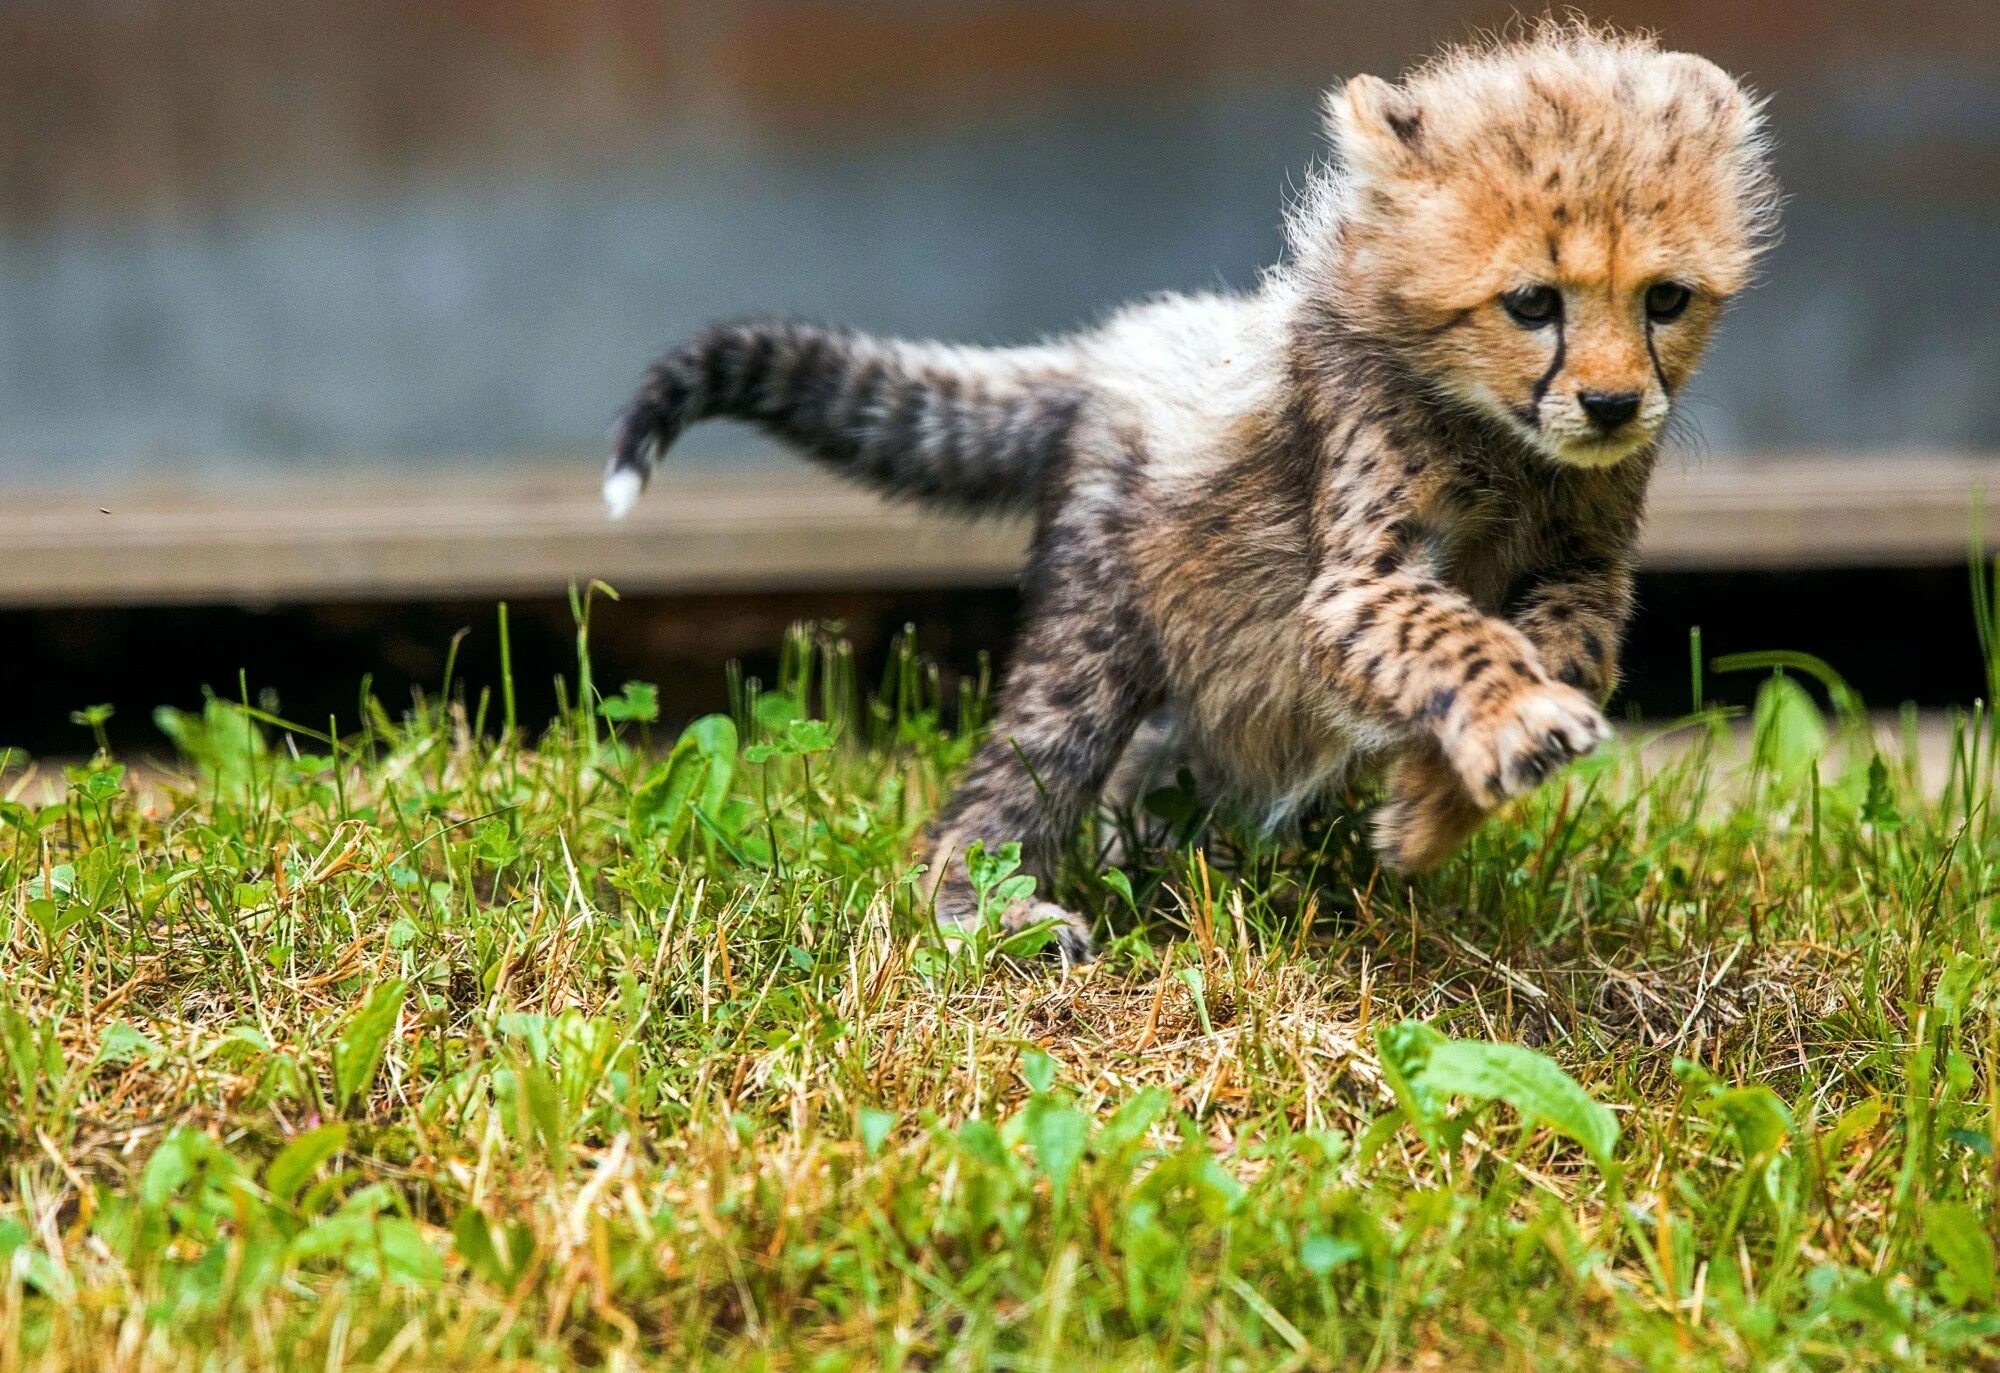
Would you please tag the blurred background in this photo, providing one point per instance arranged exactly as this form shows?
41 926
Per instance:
313 317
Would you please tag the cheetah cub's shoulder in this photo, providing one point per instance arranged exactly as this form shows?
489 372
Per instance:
1379 512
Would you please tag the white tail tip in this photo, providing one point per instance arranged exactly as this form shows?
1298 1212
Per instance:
621 492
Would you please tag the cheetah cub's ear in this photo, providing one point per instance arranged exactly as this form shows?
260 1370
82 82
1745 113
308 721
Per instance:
1688 72
1376 127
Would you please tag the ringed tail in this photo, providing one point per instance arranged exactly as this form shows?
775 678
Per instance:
972 430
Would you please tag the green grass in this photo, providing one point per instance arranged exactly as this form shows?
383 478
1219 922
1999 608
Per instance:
419 1046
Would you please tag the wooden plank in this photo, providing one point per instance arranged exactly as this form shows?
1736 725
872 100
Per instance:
1877 510
461 532
530 531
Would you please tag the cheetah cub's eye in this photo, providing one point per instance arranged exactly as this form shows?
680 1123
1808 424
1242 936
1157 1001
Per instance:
1533 307
1666 300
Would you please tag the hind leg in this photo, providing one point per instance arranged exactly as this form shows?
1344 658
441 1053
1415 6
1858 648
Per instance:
1082 680
1428 813
1153 759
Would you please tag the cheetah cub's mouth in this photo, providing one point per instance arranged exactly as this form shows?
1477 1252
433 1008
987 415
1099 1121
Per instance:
1548 234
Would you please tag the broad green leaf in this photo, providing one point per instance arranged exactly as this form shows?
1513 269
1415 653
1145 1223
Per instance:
988 868
1321 1254
372 1247
799 739
399 1253
1756 1116
1197 986
1787 731
775 710
1380 1131
660 802
1404 1049
357 1053
1028 942
1038 1068
875 1128
122 1042
184 1156
32 1052
1978 1141
978 1138
714 738
697 771
1179 805
473 1235
223 741
494 843
1696 1078
542 1104
1957 984
295 1164
1056 1131
1129 1123
1854 1120
1528 1081
21 817
1954 1234
639 701
170 1166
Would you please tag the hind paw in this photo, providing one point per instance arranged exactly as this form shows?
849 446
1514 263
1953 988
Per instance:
1426 816
1069 933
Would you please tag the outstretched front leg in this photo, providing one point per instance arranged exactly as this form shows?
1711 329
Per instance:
1414 656
1573 611
1084 676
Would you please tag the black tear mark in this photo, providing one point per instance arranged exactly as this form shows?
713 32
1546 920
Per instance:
1654 354
1556 366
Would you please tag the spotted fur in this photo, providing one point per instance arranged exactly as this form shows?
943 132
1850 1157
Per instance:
1378 513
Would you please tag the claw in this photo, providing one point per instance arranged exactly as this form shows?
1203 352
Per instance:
1544 728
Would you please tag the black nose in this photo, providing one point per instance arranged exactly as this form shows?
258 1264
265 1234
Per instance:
1609 409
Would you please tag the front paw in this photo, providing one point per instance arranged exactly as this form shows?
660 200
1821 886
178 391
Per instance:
1510 747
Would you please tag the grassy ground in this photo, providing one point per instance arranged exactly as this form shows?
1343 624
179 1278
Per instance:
414 1049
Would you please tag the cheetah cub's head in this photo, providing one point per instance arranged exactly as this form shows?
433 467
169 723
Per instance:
1546 231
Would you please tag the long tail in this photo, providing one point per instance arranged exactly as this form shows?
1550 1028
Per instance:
967 429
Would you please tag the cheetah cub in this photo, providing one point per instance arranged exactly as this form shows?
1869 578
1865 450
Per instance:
1378 513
